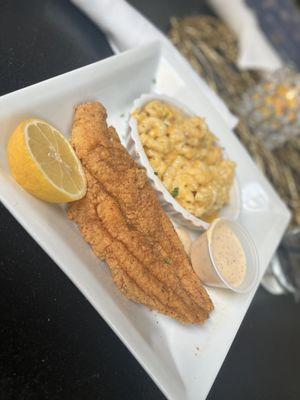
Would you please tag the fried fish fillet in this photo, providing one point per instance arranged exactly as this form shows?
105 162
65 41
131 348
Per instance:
123 221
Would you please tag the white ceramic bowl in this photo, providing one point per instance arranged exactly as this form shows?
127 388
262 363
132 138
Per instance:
171 206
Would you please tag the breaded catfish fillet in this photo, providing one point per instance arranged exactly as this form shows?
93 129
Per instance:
123 221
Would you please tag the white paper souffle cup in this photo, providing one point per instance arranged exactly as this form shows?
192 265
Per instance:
171 206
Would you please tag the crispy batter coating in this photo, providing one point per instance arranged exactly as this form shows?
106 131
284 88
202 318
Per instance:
123 221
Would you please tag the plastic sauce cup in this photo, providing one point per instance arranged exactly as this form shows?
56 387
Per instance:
205 265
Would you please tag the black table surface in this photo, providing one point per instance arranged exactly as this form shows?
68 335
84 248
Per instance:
53 344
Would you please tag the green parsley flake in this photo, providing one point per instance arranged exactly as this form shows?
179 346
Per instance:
175 192
155 173
168 261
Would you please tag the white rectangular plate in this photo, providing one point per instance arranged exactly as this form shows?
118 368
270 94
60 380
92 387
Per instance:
182 360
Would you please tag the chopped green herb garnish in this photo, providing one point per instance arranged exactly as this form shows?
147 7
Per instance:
168 261
154 81
155 173
175 192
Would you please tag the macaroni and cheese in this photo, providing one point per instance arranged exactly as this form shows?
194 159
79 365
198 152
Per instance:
186 157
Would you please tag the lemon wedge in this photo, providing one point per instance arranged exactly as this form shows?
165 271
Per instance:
44 163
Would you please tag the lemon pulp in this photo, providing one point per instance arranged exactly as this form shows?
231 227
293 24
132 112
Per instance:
44 163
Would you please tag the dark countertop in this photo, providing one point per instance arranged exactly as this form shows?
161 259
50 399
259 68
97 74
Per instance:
53 344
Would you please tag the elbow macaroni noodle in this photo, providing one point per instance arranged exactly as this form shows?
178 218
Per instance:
185 155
